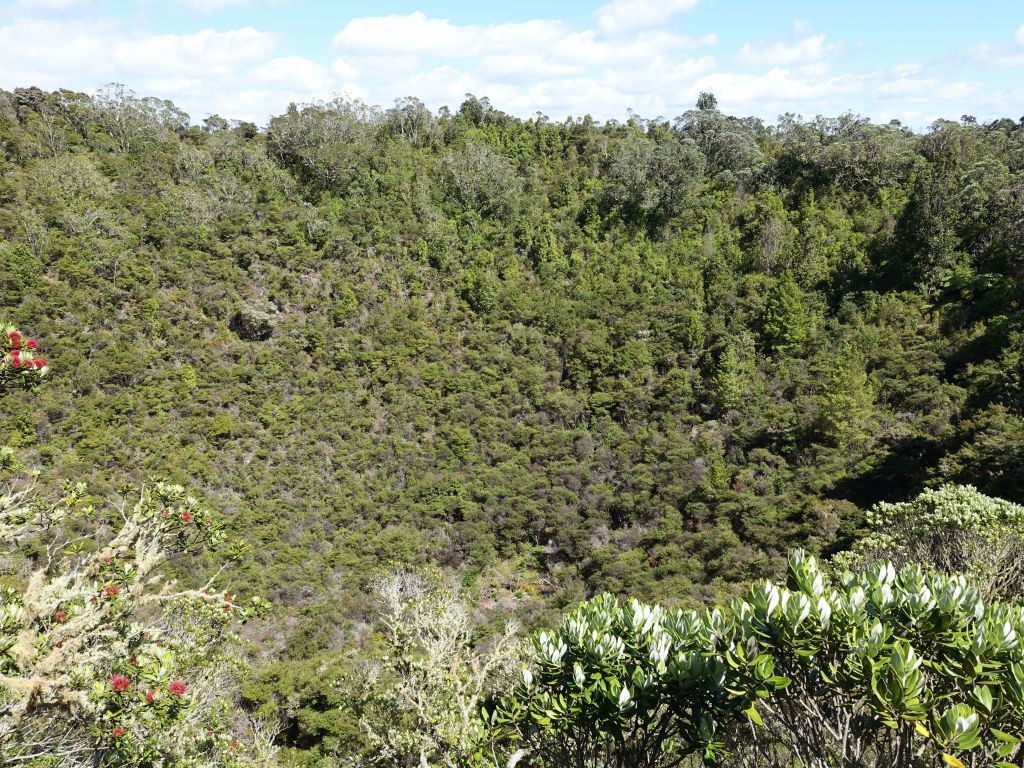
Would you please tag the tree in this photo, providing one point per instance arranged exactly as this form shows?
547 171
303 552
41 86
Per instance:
727 381
131 122
104 662
651 180
707 101
846 399
418 705
786 322
482 179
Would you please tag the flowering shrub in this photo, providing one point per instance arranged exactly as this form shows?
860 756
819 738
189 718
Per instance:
21 364
103 661
892 668
956 529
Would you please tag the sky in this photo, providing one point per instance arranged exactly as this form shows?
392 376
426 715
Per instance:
910 60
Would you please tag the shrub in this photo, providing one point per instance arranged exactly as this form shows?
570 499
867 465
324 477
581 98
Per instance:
891 668
103 661
956 529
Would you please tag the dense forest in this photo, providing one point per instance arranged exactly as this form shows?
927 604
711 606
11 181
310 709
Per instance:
536 360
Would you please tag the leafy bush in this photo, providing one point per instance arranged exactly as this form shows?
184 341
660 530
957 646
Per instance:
956 529
418 703
890 668
102 660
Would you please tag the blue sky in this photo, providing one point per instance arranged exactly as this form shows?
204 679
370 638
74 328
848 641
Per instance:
906 59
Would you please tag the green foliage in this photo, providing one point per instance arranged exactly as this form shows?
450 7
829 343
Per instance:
532 352
884 667
102 661
953 528
787 323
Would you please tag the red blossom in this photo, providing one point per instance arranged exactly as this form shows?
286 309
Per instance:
32 344
60 615
14 335
120 683
118 732
150 695
112 590
177 688
186 516
40 363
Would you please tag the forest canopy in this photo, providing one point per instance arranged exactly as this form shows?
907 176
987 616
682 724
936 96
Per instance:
549 359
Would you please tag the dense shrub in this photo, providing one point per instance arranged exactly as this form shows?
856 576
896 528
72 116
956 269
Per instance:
889 668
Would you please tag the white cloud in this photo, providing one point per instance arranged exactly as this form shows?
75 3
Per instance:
906 86
417 33
209 6
33 6
627 57
784 54
622 15
781 89
57 51
295 72
906 70
998 55
1006 54
203 52
957 90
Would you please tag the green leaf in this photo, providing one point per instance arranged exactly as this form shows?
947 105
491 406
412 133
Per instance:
754 715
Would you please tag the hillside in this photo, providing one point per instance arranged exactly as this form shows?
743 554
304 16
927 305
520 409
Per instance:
555 358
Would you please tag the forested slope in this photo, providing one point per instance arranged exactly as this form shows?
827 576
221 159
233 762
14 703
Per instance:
555 357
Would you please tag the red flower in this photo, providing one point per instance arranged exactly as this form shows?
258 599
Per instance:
14 335
118 732
112 590
32 344
150 695
120 683
186 516
177 687
40 363
60 616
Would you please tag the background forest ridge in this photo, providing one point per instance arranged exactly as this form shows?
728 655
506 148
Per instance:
551 359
